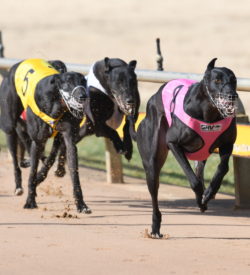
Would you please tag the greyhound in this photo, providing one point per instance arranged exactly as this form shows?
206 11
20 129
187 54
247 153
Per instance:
24 142
113 91
191 119
54 104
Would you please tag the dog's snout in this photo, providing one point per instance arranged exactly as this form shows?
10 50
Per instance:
233 96
130 101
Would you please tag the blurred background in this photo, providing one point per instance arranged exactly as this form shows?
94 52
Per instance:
192 32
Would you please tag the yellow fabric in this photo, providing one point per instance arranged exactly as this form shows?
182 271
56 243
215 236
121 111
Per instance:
242 143
27 75
139 119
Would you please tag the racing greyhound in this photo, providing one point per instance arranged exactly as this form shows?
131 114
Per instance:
191 119
54 102
113 91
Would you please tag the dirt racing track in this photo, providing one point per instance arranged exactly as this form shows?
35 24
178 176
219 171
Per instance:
55 239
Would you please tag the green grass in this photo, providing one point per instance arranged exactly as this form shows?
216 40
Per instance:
91 151
92 154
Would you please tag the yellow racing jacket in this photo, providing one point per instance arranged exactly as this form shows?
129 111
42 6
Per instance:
27 75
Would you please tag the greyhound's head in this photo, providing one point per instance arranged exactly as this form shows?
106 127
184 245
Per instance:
220 85
72 87
122 83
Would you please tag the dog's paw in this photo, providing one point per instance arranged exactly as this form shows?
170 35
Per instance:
84 209
208 195
18 191
155 235
60 172
25 163
128 155
203 208
30 204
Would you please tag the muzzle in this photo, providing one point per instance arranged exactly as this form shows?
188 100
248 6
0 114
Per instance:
74 102
226 104
127 107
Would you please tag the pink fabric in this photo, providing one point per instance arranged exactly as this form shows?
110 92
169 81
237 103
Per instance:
209 132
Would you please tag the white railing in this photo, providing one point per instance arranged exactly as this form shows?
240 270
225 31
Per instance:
243 84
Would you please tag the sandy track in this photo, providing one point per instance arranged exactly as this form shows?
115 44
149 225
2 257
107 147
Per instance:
111 239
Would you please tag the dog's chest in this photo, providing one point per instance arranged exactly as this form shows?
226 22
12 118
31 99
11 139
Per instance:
116 119
173 95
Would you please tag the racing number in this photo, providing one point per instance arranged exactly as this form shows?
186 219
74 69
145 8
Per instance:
26 81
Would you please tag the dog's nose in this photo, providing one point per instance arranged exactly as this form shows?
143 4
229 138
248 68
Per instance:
130 101
232 96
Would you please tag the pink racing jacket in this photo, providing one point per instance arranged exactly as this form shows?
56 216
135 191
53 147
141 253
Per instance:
173 95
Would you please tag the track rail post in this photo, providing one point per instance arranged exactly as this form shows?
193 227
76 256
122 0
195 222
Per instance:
241 175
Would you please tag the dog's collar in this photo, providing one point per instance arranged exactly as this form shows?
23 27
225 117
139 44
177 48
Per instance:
94 82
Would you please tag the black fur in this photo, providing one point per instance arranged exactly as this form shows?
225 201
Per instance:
49 100
155 138
24 142
119 80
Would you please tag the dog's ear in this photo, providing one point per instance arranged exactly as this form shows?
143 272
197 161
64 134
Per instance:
56 80
132 64
210 65
107 65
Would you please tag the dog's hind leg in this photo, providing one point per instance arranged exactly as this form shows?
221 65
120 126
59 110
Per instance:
60 170
152 146
12 145
49 161
37 149
24 143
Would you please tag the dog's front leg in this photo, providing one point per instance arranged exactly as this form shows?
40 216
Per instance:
127 140
102 130
195 183
199 171
225 153
72 159
35 153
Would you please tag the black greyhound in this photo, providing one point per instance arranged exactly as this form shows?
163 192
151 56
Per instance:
113 92
210 106
54 103
24 141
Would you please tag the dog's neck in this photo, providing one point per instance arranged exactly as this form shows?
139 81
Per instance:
198 104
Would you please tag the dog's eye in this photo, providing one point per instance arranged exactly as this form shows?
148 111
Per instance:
217 81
